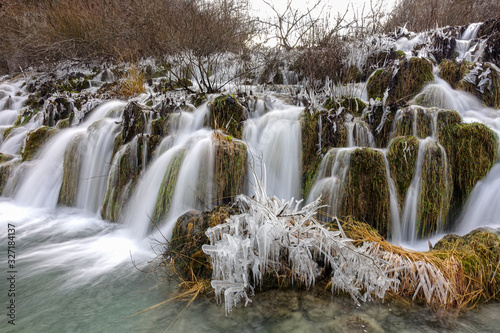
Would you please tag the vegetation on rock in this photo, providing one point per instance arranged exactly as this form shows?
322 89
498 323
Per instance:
35 140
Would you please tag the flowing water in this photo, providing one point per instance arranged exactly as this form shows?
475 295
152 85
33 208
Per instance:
75 272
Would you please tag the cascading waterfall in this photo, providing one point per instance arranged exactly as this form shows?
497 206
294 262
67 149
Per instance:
273 138
331 179
463 44
481 207
41 184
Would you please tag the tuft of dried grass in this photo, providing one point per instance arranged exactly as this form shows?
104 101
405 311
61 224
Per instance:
132 82
457 276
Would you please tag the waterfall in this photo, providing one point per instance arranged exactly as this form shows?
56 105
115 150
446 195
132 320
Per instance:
331 179
272 139
463 44
41 185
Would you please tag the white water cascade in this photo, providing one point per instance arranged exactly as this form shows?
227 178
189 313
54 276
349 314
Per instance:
482 205
463 44
273 138
41 184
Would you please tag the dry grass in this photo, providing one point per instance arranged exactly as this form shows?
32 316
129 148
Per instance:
471 278
132 82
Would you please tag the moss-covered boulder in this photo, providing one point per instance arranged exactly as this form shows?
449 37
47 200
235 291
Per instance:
478 254
5 157
380 119
366 196
452 71
7 166
413 120
227 114
168 185
402 157
436 190
350 104
35 140
123 175
483 81
472 149
71 173
230 168
189 235
403 80
133 121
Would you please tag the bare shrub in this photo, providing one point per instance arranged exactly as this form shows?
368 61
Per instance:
426 14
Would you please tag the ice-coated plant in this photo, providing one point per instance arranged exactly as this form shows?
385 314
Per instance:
275 236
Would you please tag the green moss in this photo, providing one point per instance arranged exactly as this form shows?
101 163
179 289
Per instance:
351 104
310 156
366 196
474 151
478 254
402 157
6 170
436 191
63 123
188 237
490 95
411 77
414 120
382 133
123 175
71 173
35 140
133 121
167 188
198 99
160 126
5 157
230 169
7 132
227 114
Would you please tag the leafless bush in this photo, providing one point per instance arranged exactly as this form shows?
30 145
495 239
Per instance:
52 30
426 14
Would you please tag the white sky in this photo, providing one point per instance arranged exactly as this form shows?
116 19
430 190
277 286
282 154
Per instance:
333 6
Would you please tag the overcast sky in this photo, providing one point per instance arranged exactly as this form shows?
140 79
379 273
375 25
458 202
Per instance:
334 6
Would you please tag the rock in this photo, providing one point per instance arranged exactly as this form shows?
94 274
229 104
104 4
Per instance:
133 121
230 168
404 80
472 150
5 158
483 81
402 158
478 253
189 235
227 114
366 195
35 140
71 173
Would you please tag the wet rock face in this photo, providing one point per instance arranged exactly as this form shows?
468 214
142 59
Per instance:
35 140
366 197
188 237
227 115
404 80
133 121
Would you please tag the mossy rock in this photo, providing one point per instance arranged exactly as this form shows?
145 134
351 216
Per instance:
413 120
5 158
380 119
71 173
227 114
25 116
353 75
436 191
133 121
478 254
148 142
124 173
402 157
411 77
35 140
452 72
351 104
6 169
167 188
378 60
474 152
366 196
310 155
198 99
188 237
489 92
58 109
230 168
160 126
